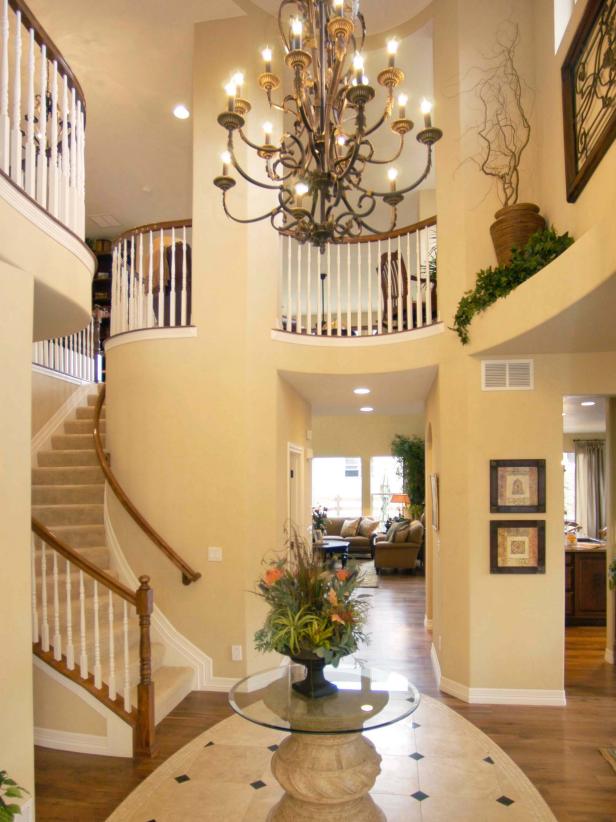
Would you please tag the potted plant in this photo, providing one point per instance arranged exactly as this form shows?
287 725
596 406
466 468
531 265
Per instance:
410 453
314 618
504 133
319 521
9 789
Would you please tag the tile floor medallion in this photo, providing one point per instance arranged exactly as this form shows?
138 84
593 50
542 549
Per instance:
436 766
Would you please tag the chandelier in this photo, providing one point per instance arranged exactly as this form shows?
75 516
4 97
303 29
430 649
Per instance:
317 167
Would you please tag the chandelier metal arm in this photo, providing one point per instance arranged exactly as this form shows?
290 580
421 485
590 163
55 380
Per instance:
402 191
255 146
246 176
383 162
249 220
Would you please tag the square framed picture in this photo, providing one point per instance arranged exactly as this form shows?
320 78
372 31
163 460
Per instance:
434 495
517 486
517 546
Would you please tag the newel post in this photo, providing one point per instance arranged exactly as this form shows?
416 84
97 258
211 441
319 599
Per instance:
144 729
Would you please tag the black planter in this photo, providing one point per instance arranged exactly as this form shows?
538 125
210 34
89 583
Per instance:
314 685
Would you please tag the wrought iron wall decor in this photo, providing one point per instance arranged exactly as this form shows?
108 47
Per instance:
589 94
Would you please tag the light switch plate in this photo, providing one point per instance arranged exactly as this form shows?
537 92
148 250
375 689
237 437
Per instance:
214 554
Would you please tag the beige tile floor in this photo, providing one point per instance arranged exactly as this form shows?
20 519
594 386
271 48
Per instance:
448 779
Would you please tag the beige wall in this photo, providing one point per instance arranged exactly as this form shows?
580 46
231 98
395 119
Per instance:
58 709
16 738
364 436
48 395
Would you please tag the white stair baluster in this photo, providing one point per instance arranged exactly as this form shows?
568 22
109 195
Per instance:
57 639
320 305
400 303
73 218
82 171
349 318
309 292
35 622
289 325
41 163
338 294
360 302
112 676
172 282
44 616
70 648
5 122
379 288
161 280
98 673
428 282
298 290
16 174
140 320
124 287
409 282
65 159
328 289
54 182
126 683
390 304
83 656
184 317
150 309
418 296
369 288
130 274
30 148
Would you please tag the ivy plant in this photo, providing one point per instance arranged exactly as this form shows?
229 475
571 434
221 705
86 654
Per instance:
410 453
493 283
9 789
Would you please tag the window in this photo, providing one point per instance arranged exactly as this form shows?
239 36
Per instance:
336 484
385 480
568 464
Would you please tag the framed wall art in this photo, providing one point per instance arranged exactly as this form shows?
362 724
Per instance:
517 546
517 486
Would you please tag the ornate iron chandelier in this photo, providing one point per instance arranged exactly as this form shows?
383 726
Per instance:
318 165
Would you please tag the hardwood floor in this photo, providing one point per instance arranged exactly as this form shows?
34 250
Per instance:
556 747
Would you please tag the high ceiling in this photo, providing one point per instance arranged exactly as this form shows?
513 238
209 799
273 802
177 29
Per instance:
584 419
133 59
398 392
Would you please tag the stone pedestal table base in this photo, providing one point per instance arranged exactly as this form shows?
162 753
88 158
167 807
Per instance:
326 777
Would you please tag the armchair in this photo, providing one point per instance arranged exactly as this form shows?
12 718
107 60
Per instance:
398 550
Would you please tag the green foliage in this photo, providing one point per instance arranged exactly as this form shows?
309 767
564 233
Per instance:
319 518
312 608
9 789
493 283
611 574
410 453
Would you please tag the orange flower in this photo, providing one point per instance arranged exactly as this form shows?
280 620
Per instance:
342 574
331 596
272 575
337 618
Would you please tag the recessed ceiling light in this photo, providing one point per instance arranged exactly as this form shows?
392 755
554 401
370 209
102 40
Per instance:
181 112
361 390
366 409
588 402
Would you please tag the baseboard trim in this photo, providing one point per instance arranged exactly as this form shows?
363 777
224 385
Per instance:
178 649
42 438
71 741
609 656
436 666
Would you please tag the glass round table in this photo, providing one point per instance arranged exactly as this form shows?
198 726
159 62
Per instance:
325 765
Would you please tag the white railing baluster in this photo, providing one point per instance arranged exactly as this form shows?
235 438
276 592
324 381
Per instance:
44 616
400 291
161 280
390 325
140 318
309 292
5 122
428 281
419 298
30 148
338 293
64 159
289 303
184 317
124 289
298 287
112 677
16 174
41 163
360 302
57 639
172 276
131 286
98 672
319 302
409 295
83 642
35 622
73 189
54 182
126 683
349 319
369 289
379 288
328 285
70 648
150 308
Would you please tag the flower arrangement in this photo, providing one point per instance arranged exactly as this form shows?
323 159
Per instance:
319 518
312 608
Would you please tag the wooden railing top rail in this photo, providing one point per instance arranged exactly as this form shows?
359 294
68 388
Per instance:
390 235
84 564
30 20
143 229
188 574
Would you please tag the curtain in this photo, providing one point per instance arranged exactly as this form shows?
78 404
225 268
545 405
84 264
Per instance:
590 486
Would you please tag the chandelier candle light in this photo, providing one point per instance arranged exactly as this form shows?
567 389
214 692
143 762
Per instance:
318 164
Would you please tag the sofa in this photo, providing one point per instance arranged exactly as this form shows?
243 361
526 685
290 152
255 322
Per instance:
361 542
399 547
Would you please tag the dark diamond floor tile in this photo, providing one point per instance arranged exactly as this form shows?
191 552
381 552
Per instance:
258 784
272 747
209 744
504 800
419 796
183 778
417 756
489 760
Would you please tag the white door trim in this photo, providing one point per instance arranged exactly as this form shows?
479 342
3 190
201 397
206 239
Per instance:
293 448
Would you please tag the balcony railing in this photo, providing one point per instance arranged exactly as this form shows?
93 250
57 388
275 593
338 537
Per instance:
75 356
42 118
152 277
361 287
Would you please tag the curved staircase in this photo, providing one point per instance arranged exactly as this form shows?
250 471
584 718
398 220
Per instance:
68 489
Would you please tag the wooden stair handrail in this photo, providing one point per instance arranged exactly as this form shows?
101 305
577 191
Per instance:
388 235
82 563
188 574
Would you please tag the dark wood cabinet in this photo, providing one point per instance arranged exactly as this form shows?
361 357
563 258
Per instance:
585 587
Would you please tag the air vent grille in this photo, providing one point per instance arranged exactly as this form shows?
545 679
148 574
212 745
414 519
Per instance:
507 375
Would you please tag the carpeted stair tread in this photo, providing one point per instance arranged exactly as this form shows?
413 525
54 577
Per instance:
78 536
86 412
68 475
172 684
98 555
87 494
64 458
82 427
80 514
73 442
